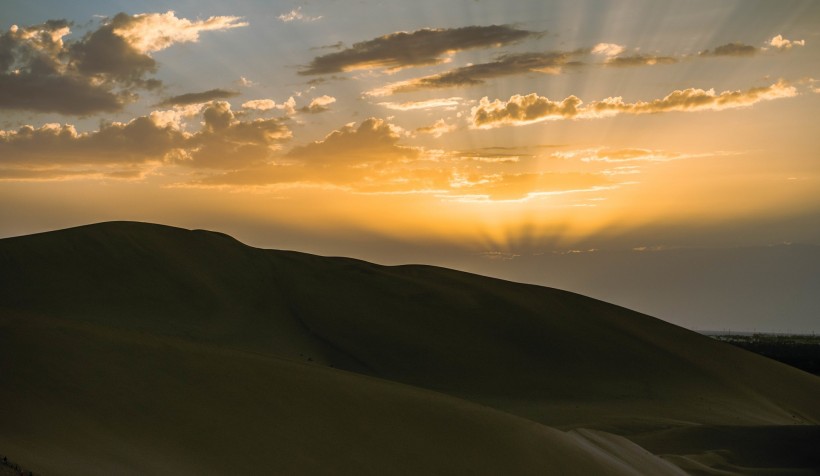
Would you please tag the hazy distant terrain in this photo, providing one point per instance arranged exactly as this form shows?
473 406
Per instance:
801 351
763 288
129 348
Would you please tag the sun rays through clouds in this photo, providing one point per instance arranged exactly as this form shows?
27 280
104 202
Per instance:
568 112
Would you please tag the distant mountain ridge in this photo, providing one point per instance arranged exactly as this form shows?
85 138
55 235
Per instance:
549 357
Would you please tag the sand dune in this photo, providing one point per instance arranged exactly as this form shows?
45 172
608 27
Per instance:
145 348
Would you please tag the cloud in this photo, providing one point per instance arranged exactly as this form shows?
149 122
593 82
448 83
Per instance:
198 98
471 75
47 174
225 142
367 156
627 155
783 44
692 99
52 145
374 140
319 104
607 49
335 46
288 106
259 104
640 60
524 186
99 72
437 129
296 14
37 74
418 48
521 110
149 32
731 49
244 82
446 103
222 143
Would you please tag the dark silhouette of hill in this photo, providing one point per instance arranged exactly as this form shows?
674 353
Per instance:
148 348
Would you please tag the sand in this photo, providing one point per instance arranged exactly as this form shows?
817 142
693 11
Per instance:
138 348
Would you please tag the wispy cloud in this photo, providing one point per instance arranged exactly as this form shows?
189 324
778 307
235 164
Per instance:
505 65
445 103
640 60
198 98
297 15
437 129
731 49
149 32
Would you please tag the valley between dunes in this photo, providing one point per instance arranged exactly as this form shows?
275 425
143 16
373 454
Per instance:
133 348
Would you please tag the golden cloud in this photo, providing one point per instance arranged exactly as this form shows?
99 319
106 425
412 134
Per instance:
150 32
446 103
319 104
783 44
437 129
520 110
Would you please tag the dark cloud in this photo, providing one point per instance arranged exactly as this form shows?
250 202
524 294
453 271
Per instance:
335 46
731 49
63 94
417 48
104 53
198 98
640 60
505 65
40 72
100 72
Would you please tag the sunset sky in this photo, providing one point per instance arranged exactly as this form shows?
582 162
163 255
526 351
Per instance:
403 131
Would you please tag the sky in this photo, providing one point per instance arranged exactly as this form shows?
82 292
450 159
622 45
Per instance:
494 137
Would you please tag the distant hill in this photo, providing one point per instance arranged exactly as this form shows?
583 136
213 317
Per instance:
132 347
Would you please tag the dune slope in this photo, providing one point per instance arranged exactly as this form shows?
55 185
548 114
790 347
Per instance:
550 356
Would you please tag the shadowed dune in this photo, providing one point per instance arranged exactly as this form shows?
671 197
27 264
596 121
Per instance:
170 348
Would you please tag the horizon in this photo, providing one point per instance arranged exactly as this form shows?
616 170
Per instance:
638 153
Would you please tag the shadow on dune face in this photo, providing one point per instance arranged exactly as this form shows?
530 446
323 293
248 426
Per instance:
207 342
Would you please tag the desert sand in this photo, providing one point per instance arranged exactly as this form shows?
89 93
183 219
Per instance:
132 348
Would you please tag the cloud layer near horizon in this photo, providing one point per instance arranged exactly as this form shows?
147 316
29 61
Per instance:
222 142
